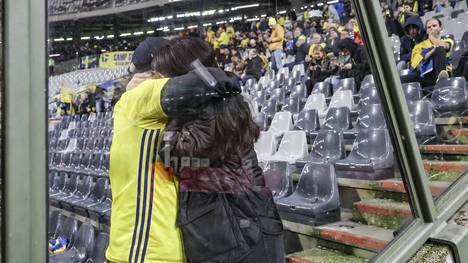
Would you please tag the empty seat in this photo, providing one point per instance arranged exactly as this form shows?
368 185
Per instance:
317 102
412 91
369 95
371 157
278 178
98 254
261 121
281 123
338 119
67 229
293 105
450 95
299 68
316 199
269 109
265 146
58 183
368 81
102 207
299 91
105 165
67 191
345 84
97 195
422 115
279 95
293 147
371 117
322 87
83 190
342 98
81 247
404 72
95 165
308 121
55 221
328 147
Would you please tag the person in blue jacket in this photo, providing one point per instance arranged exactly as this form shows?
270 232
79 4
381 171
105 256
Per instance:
414 34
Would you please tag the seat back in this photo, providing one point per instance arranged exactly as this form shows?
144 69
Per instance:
338 119
59 182
98 254
282 121
372 144
328 146
68 228
308 121
293 145
345 84
371 117
412 91
85 161
84 186
84 241
342 98
95 162
369 95
316 101
278 94
105 163
421 112
322 87
299 91
70 184
292 105
277 176
450 94
98 191
55 220
318 182
269 109
265 145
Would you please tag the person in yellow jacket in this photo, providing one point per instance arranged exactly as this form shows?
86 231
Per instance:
144 192
230 31
223 38
431 58
275 44
210 35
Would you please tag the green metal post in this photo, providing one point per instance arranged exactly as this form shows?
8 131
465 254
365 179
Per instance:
25 132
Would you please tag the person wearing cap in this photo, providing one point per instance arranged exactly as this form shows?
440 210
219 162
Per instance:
144 193
275 44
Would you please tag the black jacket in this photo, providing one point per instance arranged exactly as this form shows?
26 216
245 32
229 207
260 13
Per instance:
407 42
254 67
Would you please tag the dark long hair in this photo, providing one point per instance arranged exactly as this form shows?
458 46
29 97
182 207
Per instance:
235 130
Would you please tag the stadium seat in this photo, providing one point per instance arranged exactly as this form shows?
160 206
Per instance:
260 97
55 222
98 254
81 247
58 184
371 117
293 105
95 165
85 162
67 229
282 122
299 91
316 199
404 72
293 147
279 95
104 169
322 87
369 95
368 81
342 98
450 95
412 91
269 108
317 101
278 178
97 195
299 68
338 119
422 115
265 146
102 207
67 191
345 84
371 157
308 121
83 190
261 121
328 147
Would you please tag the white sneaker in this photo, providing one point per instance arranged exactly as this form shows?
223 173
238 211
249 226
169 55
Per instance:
443 75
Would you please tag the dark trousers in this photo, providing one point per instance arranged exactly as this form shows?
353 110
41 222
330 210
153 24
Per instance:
270 249
439 61
462 69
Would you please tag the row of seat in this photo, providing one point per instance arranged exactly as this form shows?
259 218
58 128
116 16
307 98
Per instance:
85 243
81 194
94 164
81 145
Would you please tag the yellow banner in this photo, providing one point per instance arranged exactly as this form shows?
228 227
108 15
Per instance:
115 59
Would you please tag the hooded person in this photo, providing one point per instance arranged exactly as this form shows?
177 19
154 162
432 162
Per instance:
352 59
414 34
275 43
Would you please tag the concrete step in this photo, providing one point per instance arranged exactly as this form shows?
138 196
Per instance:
323 255
384 213
445 171
350 235
451 121
457 149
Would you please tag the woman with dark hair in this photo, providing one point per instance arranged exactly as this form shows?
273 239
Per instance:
226 214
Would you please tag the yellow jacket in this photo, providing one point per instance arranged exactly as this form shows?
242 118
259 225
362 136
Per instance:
419 51
223 39
277 38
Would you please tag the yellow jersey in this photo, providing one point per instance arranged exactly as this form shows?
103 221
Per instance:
144 194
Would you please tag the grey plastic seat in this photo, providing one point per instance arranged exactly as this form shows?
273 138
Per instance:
104 169
81 248
261 121
278 178
422 115
269 109
328 147
58 184
299 91
282 122
368 81
98 254
97 195
308 121
293 147
260 97
265 146
293 105
412 91
371 157
371 117
338 119
250 83
75 159
67 229
450 95
85 163
83 190
104 206
289 85
68 190
316 199
322 87
64 162
94 168
55 221
369 95
345 84
279 95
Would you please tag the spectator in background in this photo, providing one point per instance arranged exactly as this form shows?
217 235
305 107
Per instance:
301 49
254 66
431 59
275 44
223 38
319 68
331 41
414 34
352 61
224 57
315 40
391 23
